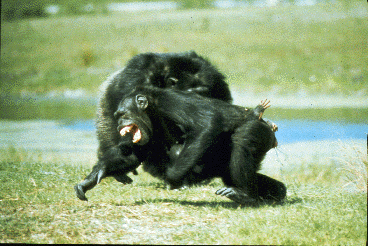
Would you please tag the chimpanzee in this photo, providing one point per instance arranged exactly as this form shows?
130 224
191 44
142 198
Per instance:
220 140
183 71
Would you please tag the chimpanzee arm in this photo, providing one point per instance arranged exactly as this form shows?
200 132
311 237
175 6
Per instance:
236 194
113 163
201 90
270 190
243 166
241 178
196 145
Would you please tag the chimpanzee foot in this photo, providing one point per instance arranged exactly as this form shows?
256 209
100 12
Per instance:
80 192
88 183
259 110
236 195
273 126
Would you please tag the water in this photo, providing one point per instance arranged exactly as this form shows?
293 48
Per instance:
85 125
300 141
290 131
79 136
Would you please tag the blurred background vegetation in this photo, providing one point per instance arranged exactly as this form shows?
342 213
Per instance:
19 9
287 47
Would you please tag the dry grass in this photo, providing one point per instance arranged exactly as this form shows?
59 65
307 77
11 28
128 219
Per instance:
355 167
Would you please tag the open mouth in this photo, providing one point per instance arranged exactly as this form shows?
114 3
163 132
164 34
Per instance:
137 134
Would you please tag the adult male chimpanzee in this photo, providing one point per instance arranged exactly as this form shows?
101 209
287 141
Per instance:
183 71
220 140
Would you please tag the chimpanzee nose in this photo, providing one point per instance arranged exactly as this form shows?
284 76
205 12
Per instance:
118 113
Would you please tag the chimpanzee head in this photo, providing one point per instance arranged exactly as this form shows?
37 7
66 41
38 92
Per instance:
132 118
186 72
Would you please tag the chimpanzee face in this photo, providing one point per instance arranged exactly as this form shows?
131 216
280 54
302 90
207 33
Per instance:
132 118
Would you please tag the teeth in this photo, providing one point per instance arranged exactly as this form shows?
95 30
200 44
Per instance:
137 134
125 130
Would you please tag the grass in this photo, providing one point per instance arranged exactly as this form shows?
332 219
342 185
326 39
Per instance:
282 49
355 168
38 205
60 108
56 108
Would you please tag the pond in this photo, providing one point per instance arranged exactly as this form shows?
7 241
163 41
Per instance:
75 142
291 131
80 136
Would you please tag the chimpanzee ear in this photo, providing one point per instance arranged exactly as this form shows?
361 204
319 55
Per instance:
141 101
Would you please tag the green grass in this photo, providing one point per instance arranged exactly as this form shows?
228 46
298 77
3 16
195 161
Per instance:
59 108
28 108
38 205
341 115
283 49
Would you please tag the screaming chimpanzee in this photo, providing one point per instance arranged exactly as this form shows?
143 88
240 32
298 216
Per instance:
182 71
218 140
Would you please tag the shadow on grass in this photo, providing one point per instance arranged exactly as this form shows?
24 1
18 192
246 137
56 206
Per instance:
293 201
223 204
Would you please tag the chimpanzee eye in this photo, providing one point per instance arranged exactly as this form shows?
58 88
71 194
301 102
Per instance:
140 101
172 81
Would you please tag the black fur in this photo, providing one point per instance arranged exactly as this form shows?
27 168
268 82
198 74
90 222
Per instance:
183 71
217 140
